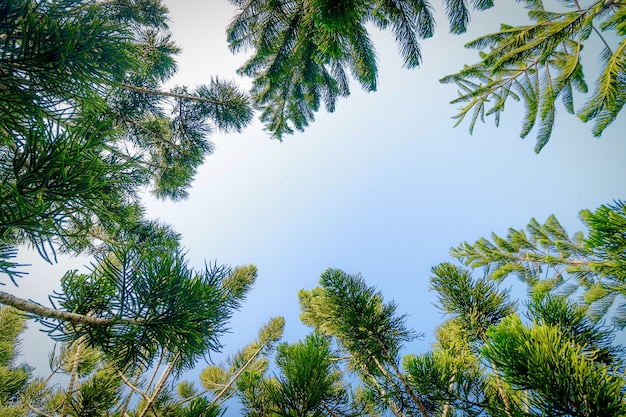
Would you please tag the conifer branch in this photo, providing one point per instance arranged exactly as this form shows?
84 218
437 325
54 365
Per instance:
405 383
131 386
232 380
505 398
36 410
160 384
329 411
39 310
73 384
179 96
129 397
606 4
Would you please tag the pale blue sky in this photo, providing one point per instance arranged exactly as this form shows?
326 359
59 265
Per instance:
383 187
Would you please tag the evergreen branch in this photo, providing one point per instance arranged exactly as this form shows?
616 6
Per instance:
239 372
546 42
608 98
155 371
160 384
505 398
36 410
401 376
232 380
605 5
170 94
131 386
39 310
390 380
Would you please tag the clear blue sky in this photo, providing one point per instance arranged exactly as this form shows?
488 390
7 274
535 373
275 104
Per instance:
384 186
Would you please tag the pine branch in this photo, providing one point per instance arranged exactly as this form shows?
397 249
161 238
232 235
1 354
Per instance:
400 375
160 384
132 386
232 380
42 311
179 96
505 398
37 411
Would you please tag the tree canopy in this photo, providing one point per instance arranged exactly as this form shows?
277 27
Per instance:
86 126
303 51
541 62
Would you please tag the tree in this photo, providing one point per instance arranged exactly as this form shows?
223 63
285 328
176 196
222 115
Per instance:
488 359
303 50
547 259
100 387
563 362
554 357
221 380
541 62
84 125
308 383
370 333
138 302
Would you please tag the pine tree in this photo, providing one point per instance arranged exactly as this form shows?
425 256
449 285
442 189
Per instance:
84 127
308 384
139 301
488 358
546 258
13 376
84 123
304 50
371 334
96 385
563 363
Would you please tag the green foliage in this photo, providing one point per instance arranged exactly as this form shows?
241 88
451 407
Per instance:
13 378
84 358
200 407
561 362
308 383
57 191
561 376
445 383
7 265
302 51
149 300
57 53
574 322
361 320
12 324
540 63
477 304
548 259
220 379
84 124
370 332
95 396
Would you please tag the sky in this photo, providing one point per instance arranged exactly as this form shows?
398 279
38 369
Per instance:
384 186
